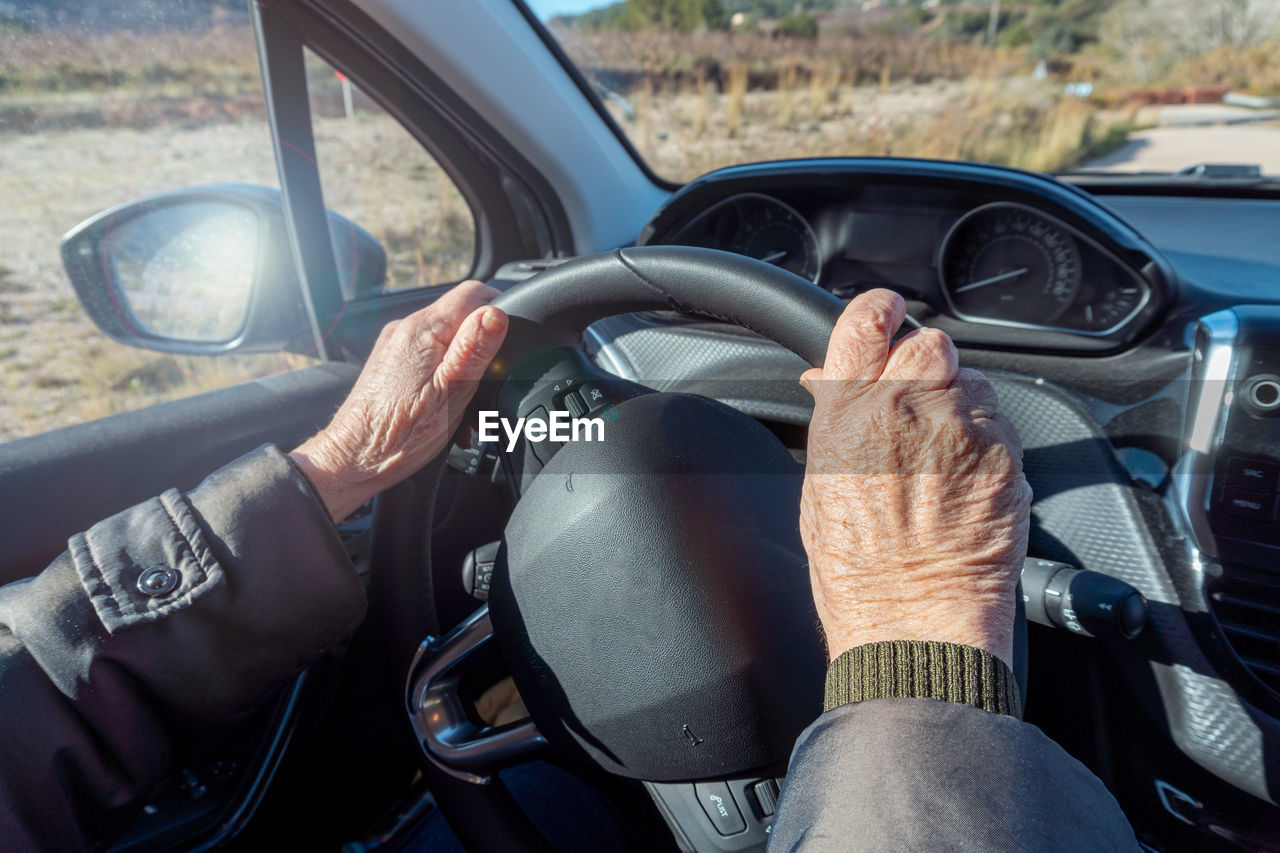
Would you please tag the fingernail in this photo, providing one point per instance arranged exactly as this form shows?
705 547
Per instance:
805 383
492 320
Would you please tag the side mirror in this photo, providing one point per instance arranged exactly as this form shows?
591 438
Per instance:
207 270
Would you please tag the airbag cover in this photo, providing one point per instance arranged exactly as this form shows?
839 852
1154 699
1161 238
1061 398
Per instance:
652 596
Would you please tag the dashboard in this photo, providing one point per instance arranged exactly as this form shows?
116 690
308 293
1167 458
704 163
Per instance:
1022 263
1127 331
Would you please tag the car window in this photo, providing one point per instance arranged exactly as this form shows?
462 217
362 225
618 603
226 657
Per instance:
1052 85
99 107
377 175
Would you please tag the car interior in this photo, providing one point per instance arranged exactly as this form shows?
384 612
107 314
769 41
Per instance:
663 642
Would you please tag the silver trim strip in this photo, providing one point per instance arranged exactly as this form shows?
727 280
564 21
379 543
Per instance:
607 355
1211 377
445 731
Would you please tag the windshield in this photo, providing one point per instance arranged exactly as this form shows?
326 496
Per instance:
1050 85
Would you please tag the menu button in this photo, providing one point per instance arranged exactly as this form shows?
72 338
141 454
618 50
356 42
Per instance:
1243 503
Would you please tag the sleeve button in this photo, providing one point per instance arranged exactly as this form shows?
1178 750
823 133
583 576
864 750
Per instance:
158 580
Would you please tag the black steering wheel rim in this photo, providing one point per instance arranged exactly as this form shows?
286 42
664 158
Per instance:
552 310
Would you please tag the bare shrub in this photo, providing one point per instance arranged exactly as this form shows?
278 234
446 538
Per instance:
1153 36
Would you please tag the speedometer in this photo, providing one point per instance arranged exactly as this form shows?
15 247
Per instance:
1006 262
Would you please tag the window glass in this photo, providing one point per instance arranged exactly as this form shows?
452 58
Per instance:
1052 85
377 175
100 105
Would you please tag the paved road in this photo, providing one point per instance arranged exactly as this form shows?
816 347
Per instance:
1187 136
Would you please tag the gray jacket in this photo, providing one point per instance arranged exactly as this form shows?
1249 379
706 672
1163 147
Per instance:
185 611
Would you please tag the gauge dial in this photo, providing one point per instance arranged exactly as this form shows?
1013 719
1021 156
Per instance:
758 226
1112 308
1005 262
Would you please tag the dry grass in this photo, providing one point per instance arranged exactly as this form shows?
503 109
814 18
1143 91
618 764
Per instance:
1020 125
667 60
1253 69
713 99
1042 136
736 98
217 61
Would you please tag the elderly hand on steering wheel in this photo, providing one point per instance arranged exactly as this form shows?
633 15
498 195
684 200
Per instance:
408 401
915 510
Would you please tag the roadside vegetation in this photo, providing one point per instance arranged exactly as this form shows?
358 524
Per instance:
1047 84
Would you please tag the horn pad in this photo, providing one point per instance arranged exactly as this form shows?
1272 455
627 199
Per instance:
652 595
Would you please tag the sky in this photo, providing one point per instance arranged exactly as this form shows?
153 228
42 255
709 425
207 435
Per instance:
545 9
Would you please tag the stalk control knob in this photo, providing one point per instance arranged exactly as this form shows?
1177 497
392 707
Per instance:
1087 603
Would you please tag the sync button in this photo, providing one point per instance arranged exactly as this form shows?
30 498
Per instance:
1253 473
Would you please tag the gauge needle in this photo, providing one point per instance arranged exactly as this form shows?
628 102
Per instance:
774 257
995 278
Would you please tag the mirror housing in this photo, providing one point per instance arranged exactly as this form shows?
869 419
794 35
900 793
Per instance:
208 270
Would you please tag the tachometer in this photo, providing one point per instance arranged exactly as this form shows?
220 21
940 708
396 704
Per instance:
1007 262
1113 308
761 227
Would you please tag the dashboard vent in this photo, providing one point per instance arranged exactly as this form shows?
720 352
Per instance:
1248 609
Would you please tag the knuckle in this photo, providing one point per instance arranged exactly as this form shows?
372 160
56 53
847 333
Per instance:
872 324
473 290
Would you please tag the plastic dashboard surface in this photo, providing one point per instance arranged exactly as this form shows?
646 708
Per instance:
996 257
1197 254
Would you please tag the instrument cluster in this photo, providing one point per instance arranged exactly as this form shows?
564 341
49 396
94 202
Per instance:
989 265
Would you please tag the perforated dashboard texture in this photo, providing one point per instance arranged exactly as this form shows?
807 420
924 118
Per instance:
1086 512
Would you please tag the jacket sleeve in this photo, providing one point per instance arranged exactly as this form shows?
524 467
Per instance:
924 774
178 614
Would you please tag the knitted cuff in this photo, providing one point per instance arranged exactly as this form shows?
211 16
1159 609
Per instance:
916 669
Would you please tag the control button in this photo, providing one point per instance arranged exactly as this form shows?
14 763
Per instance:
1263 392
767 796
1243 503
592 395
484 580
158 580
577 408
1253 473
718 803
477 570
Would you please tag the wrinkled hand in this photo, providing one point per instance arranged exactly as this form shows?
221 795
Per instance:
408 401
915 510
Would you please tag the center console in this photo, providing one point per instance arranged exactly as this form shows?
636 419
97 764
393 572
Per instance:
1228 485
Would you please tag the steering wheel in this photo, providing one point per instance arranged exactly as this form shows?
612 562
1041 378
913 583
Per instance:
651 595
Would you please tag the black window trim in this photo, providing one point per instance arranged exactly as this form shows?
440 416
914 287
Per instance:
516 213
